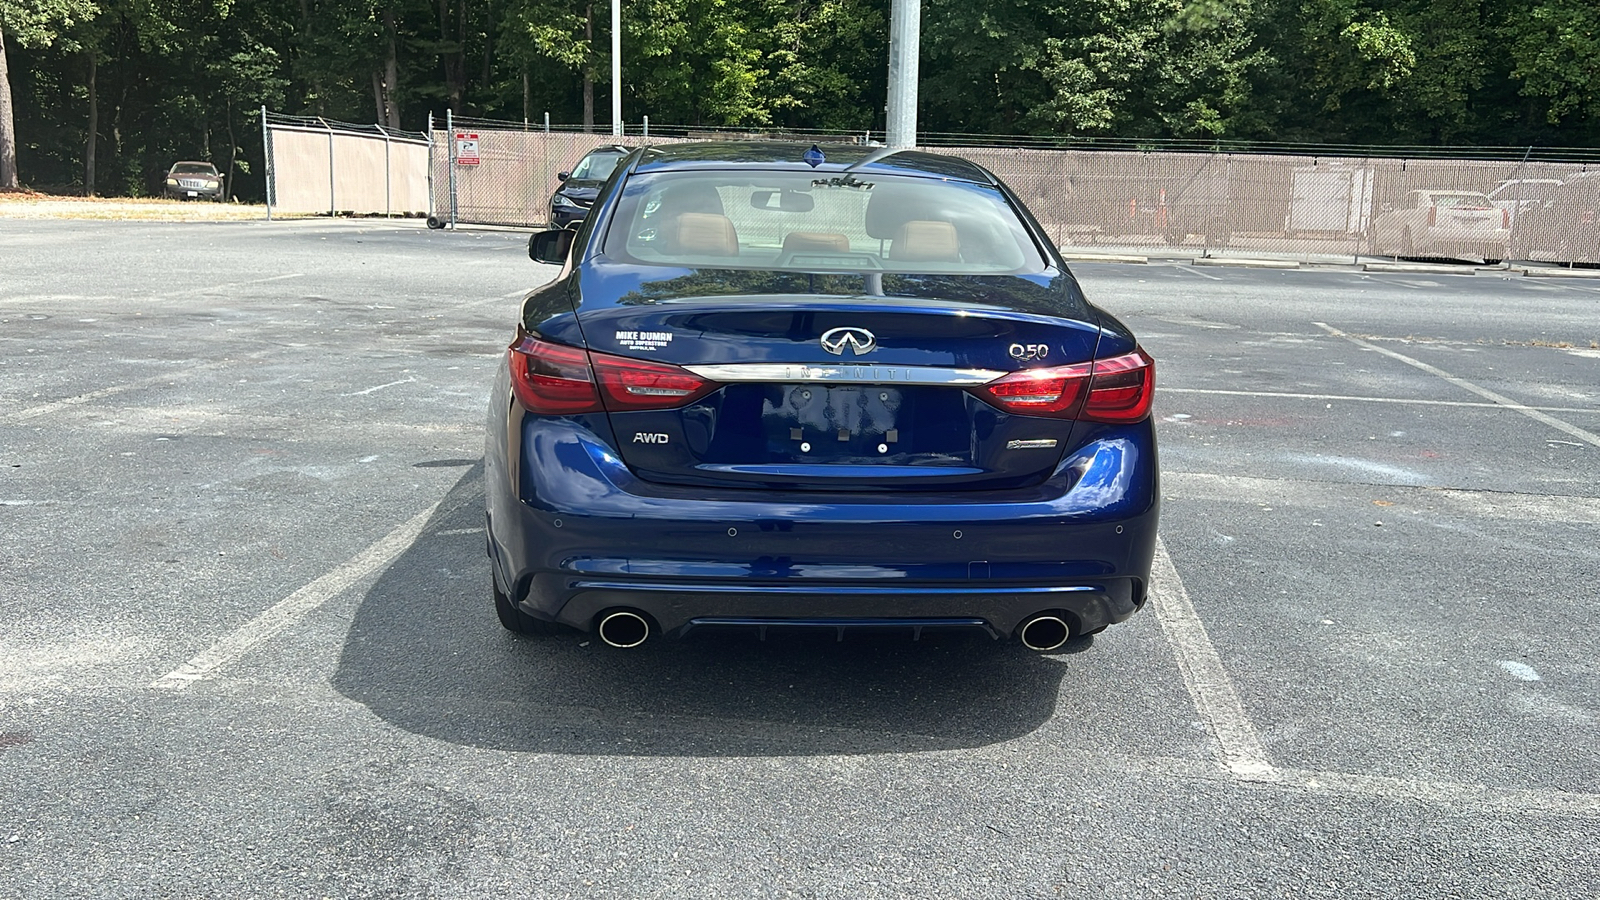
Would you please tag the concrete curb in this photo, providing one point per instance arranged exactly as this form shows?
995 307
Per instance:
1555 272
1428 268
1247 263
1105 258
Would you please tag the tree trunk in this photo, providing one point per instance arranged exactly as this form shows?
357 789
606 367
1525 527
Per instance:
451 53
588 69
458 87
8 133
391 72
94 128
527 98
488 44
377 95
233 156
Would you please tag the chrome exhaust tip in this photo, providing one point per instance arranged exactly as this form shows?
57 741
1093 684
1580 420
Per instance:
1045 632
623 629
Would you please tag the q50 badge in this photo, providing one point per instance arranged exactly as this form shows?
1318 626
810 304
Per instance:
1026 352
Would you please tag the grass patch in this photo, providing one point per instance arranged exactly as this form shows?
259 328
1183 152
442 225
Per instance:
24 204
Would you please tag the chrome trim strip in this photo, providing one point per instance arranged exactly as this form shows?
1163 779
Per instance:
843 374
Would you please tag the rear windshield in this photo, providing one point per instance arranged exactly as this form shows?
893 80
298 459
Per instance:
819 222
597 166
1527 190
194 169
1461 201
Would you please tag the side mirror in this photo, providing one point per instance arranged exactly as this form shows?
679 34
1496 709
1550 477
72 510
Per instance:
551 247
563 176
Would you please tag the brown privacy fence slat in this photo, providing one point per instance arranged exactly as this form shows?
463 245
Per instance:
318 166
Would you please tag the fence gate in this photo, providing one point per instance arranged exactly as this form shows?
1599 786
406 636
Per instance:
318 166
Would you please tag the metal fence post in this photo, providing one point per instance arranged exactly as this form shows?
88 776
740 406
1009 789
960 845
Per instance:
266 158
450 144
547 121
332 208
388 200
646 126
430 165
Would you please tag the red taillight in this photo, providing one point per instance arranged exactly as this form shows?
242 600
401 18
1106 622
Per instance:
630 384
557 380
1433 215
1056 392
1118 389
1122 388
1505 218
552 379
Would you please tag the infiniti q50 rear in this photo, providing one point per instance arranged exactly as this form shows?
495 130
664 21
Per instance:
836 387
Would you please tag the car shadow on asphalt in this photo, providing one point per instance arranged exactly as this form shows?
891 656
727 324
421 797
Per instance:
426 654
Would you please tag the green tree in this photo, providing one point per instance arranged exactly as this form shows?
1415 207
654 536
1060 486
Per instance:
37 23
1555 47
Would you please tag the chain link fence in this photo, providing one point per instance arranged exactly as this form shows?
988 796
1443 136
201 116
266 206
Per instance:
1100 197
336 168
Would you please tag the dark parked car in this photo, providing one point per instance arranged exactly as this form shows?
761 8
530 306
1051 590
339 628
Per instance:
836 387
193 181
1566 228
572 200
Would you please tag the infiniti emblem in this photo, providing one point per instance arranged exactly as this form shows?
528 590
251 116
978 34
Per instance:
859 340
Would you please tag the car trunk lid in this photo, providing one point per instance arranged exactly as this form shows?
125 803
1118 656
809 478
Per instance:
835 393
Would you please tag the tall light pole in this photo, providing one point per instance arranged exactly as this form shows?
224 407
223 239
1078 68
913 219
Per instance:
905 41
616 67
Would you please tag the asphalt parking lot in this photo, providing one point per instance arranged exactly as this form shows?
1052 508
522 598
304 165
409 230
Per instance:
247 646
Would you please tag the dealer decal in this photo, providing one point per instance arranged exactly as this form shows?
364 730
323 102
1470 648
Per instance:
644 340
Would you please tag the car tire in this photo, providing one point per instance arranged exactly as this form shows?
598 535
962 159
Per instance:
517 621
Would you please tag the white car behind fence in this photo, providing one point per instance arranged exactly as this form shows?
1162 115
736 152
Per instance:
1442 223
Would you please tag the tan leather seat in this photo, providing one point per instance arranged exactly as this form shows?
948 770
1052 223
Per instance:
815 242
924 240
705 234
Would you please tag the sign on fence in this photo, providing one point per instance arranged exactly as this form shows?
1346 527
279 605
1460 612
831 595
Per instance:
467 148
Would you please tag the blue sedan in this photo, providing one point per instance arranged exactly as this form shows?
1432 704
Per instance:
778 386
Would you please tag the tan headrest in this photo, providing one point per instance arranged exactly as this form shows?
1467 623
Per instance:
706 234
815 242
923 240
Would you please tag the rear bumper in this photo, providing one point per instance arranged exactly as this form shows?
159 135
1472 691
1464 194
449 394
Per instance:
1478 242
574 533
680 607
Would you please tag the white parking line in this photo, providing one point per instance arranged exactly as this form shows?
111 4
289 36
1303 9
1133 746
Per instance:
1347 397
1245 757
20 415
1214 697
407 380
230 284
1193 271
1451 794
1532 413
294 607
